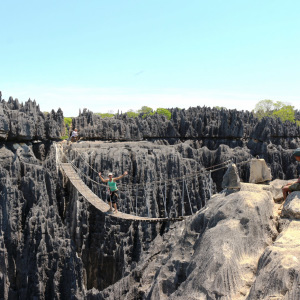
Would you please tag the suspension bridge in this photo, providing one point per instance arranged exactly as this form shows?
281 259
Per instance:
71 172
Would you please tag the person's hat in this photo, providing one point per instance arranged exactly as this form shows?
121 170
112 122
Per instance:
110 174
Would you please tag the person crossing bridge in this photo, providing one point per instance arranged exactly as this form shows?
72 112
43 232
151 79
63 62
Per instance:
112 197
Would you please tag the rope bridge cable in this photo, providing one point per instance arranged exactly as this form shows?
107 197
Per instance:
132 187
82 188
93 199
145 194
170 180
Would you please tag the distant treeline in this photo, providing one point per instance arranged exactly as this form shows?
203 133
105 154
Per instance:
143 112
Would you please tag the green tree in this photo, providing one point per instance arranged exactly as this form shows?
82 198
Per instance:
285 113
68 122
145 110
132 114
105 115
264 108
164 111
274 109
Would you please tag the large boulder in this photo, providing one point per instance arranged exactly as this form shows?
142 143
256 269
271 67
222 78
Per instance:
291 207
259 171
278 270
231 179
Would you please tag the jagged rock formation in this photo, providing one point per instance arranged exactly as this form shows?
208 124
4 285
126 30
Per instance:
231 178
291 208
268 139
116 246
193 123
37 257
278 270
25 122
215 254
259 171
53 244
184 124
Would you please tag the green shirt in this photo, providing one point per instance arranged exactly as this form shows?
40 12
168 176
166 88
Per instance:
112 185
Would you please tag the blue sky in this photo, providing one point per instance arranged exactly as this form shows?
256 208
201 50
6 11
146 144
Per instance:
120 55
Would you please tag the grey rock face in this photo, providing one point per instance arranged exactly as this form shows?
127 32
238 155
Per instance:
21 123
116 246
196 122
37 257
212 255
291 207
200 127
145 162
53 244
279 268
259 171
231 179
192 123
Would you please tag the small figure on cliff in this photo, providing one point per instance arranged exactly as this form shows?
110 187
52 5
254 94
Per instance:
74 136
292 186
113 190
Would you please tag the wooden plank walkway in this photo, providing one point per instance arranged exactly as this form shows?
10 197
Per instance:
85 191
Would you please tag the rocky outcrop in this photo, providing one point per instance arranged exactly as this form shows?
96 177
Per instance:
184 124
200 127
231 179
278 269
146 162
113 245
54 244
259 171
194 123
291 207
25 122
212 255
37 257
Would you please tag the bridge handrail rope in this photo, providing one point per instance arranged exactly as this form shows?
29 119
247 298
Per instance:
149 184
169 180
166 182
77 182
132 187
95 182
144 196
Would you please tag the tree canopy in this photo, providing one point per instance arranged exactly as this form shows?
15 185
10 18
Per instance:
165 112
132 114
274 109
145 110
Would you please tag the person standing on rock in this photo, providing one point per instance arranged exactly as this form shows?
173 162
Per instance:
74 136
113 190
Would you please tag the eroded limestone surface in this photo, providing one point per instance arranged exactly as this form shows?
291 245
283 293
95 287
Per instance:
25 122
212 255
53 244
